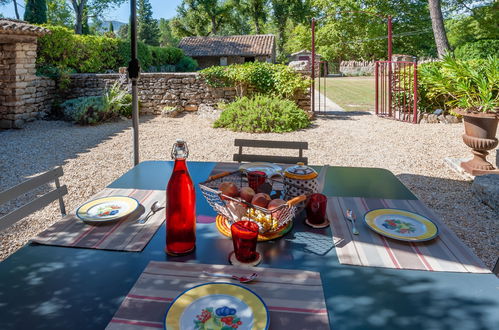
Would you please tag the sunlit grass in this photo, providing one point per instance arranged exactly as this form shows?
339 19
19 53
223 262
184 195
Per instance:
351 93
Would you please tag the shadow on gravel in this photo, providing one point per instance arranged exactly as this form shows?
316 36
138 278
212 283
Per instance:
43 145
341 115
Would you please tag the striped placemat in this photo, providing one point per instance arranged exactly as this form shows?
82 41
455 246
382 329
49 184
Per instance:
123 235
295 298
445 253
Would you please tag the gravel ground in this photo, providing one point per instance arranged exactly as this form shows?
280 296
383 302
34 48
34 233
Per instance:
92 157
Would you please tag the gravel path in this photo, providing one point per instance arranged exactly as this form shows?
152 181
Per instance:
92 157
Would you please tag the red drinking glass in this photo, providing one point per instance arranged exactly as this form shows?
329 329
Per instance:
256 179
316 209
244 237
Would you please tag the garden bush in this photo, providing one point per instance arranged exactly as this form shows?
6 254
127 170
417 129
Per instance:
264 78
89 110
481 49
262 113
98 54
186 64
457 83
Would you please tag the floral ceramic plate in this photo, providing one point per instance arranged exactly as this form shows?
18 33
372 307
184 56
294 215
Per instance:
217 306
107 209
401 225
269 168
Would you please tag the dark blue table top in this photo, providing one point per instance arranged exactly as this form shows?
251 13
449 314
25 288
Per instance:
47 287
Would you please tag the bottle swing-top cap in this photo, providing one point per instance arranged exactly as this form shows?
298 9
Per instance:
179 149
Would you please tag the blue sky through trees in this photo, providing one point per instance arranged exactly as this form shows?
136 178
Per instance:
160 8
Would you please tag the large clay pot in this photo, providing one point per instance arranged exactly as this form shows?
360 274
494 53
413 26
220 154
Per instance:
480 135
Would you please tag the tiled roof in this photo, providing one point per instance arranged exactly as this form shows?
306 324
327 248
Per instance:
12 26
245 45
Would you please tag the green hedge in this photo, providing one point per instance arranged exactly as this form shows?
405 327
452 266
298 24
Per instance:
265 78
481 49
97 54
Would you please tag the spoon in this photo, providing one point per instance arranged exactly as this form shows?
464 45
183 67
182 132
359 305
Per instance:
351 217
154 208
241 279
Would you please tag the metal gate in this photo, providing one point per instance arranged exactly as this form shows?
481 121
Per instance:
397 90
318 90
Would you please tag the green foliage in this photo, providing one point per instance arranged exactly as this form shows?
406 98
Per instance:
262 114
91 110
36 11
143 54
166 55
265 78
147 27
457 83
186 64
59 13
118 101
166 36
480 24
89 53
481 49
86 110
80 53
61 75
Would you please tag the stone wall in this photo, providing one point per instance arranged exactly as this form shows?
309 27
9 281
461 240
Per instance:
185 91
23 96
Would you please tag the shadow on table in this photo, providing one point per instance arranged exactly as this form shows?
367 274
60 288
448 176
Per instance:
388 299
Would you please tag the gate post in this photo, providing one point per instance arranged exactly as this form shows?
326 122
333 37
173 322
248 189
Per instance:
376 85
415 83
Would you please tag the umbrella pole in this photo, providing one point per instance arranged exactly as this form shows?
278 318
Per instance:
133 74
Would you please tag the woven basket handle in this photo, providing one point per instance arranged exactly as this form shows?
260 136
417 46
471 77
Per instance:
218 176
296 200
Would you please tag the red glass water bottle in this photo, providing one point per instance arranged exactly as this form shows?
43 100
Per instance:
181 205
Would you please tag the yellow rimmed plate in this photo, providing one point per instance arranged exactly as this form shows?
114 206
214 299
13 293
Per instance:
401 225
107 209
216 306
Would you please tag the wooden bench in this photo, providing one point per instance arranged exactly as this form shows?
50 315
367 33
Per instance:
36 204
300 146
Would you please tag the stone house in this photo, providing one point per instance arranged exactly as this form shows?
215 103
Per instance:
304 55
226 50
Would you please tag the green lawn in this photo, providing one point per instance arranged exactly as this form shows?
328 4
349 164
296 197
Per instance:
351 93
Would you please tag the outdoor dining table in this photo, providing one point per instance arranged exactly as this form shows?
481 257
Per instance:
49 287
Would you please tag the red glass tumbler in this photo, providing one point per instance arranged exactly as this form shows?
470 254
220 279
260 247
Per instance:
256 179
316 209
244 237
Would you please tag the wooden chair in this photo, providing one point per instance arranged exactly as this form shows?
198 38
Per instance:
40 202
300 146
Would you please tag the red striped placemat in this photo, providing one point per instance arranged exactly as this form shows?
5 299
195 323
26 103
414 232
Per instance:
123 235
294 298
445 253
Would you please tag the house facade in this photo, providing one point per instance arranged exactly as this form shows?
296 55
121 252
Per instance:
226 50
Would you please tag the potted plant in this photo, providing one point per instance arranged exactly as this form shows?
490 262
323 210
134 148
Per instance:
471 89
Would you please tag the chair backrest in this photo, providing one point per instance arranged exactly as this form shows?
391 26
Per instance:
300 146
25 210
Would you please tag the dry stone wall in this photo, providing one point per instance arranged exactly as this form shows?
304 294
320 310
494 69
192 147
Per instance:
23 96
184 91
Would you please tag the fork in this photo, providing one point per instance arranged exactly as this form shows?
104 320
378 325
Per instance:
351 217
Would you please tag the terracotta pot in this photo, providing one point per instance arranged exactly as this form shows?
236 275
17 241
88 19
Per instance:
480 135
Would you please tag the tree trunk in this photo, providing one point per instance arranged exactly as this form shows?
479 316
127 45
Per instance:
79 12
15 9
213 25
257 26
437 23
